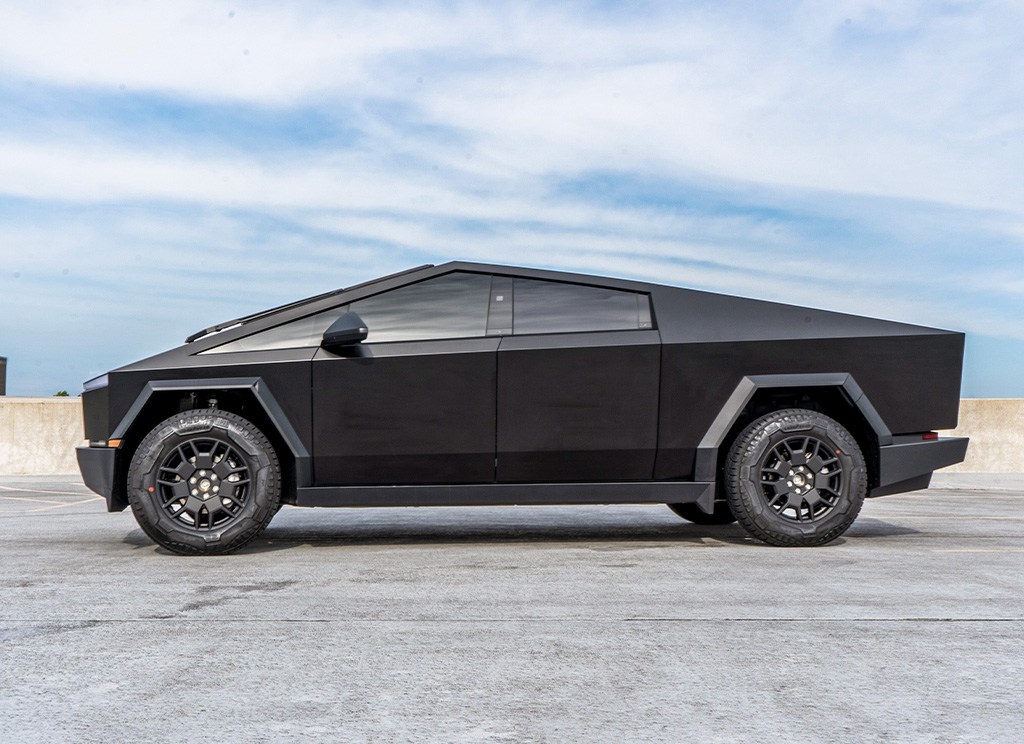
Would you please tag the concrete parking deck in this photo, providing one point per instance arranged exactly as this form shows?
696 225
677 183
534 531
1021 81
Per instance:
519 624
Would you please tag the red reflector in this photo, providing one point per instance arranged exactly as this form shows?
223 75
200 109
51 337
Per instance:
930 435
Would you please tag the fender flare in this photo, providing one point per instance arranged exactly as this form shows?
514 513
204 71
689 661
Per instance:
259 389
706 464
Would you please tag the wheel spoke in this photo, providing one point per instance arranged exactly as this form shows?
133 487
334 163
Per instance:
826 487
793 482
204 460
813 499
219 462
231 497
179 491
800 455
224 468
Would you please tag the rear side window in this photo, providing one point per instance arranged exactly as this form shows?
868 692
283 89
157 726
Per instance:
554 307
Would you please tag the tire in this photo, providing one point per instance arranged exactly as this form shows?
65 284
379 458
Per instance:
795 478
693 513
177 476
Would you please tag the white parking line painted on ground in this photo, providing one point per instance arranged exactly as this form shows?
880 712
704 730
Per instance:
35 490
31 501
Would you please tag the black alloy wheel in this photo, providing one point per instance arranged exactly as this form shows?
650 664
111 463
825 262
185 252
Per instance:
802 478
204 482
795 478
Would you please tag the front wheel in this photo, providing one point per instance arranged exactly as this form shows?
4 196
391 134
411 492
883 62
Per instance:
795 478
204 482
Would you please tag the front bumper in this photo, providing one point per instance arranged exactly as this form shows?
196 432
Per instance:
908 465
97 466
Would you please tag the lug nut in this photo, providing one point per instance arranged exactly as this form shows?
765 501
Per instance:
195 491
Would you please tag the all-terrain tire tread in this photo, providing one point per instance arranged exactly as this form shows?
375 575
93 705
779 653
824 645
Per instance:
746 444
264 512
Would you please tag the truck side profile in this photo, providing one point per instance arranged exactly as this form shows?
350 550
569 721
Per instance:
480 384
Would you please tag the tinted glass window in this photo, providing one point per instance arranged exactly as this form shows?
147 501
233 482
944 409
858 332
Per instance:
553 307
450 306
297 334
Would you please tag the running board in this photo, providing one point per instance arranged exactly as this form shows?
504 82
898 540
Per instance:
512 494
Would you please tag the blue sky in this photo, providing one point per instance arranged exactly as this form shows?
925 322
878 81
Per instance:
165 166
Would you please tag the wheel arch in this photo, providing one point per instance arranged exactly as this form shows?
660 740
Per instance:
247 397
835 394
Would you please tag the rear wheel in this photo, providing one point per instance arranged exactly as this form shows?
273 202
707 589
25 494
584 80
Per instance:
204 482
795 478
722 514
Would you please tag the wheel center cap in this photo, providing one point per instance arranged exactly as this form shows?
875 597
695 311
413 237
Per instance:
798 480
204 485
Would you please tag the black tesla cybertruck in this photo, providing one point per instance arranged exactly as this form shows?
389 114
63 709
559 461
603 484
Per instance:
475 384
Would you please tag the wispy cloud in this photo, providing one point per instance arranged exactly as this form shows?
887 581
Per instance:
164 166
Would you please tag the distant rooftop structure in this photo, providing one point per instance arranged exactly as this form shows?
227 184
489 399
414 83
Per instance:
3 375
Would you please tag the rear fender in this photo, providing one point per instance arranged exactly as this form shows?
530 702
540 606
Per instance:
706 465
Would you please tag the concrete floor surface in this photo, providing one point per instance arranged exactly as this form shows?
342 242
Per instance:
515 624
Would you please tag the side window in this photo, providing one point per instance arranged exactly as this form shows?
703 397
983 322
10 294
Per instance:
449 306
297 334
554 307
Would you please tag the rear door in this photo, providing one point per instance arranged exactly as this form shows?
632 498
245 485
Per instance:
577 384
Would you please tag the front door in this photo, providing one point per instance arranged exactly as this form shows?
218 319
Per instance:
415 402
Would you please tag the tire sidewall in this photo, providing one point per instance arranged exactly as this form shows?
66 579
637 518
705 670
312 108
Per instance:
744 491
264 491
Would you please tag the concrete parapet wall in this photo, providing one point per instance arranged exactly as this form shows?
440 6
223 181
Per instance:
996 429
38 436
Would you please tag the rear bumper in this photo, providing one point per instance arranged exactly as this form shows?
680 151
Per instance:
97 466
908 466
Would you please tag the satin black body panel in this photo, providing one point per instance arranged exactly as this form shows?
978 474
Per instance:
622 406
912 381
406 412
286 372
578 406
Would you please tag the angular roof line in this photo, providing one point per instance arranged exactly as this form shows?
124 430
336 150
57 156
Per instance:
298 303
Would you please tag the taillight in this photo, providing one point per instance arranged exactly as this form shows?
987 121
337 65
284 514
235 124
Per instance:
930 435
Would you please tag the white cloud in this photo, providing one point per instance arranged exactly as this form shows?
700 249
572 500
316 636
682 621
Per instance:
902 122
908 99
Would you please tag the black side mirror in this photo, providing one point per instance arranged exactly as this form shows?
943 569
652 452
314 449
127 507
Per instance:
347 330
